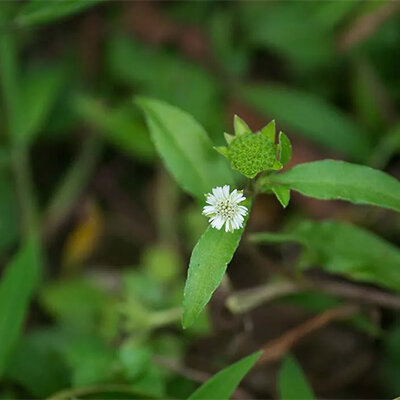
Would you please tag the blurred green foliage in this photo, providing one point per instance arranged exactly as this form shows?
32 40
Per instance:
68 73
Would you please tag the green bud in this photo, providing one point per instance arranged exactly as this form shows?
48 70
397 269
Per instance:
251 153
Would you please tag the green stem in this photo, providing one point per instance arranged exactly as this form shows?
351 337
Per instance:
71 186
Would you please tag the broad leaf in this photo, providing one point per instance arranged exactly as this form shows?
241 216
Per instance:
292 382
208 263
344 249
185 148
330 179
42 12
310 116
16 289
223 384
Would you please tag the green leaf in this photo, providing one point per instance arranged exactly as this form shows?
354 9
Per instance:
48 374
240 127
8 214
223 384
185 148
120 126
285 149
344 249
292 382
269 131
161 74
310 116
330 179
41 88
38 12
282 193
208 263
16 289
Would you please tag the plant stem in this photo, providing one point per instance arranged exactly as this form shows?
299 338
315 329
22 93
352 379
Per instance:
71 186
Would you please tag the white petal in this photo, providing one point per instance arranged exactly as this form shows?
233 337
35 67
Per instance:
211 199
207 210
242 210
227 225
226 189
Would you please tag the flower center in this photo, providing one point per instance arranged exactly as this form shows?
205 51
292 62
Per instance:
226 209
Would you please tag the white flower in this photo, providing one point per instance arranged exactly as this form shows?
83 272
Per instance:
224 208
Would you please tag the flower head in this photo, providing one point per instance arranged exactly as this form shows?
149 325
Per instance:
223 208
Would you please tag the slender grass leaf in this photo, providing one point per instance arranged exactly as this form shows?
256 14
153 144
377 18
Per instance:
344 249
292 382
16 289
185 148
38 97
208 263
43 12
330 179
311 117
223 384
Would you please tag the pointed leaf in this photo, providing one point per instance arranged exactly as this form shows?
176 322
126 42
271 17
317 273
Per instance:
38 12
285 149
269 131
16 289
330 179
223 384
343 249
282 193
240 126
208 263
293 384
222 150
185 148
228 137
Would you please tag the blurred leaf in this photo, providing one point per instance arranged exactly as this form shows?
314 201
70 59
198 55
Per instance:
8 215
90 360
77 302
162 264
151 383
16 289
36 364
223 384
40 90
292 382
135 358
330 179
208 263
185 148
390 371
310 116
345 250
266 25
120 126
388 146
233 57
366 90
81 242
39 12
166 76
